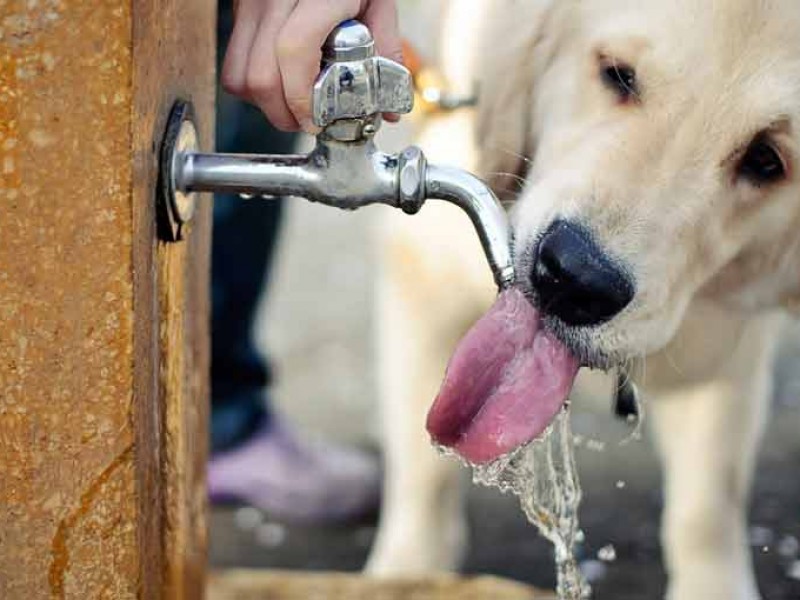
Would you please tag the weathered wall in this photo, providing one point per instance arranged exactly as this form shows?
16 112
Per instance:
68 497
84 91
174 43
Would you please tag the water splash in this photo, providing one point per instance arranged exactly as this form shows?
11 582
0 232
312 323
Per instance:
544 476
607 553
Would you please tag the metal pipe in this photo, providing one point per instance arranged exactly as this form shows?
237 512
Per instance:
278 175
346 175
484 209
350 176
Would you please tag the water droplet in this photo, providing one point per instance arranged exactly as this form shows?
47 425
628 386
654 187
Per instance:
246 196
621 484
270 535
596 446
247 518
765 549
607 553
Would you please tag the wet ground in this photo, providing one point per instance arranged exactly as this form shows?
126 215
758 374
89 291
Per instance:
622 502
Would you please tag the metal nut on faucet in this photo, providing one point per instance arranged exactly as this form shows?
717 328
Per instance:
412 180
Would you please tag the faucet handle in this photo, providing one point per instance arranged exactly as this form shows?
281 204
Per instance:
354 83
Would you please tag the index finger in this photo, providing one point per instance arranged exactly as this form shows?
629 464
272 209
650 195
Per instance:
299 50
381 18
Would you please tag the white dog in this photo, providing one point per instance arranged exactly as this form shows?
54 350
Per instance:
652 150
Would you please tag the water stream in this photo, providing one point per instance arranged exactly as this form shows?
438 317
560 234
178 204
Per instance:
543 475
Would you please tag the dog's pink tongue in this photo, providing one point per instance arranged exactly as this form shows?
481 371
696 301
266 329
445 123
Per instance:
504 385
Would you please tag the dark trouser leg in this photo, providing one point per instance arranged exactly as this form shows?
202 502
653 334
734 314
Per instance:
245 233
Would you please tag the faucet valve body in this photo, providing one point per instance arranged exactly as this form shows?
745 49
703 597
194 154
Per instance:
345 170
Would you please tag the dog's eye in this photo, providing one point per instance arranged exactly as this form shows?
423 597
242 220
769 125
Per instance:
762 163
620 79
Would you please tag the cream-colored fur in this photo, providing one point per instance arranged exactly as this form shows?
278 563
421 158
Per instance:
713 256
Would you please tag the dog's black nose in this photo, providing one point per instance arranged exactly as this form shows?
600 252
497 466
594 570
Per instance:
575 280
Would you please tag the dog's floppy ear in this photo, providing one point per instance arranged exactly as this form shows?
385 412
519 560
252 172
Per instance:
513 50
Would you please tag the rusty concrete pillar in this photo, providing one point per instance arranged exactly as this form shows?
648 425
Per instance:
103 329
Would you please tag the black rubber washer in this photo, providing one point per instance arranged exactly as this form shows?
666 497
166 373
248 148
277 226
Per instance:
168 225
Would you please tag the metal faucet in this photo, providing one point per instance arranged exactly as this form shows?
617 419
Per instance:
345 170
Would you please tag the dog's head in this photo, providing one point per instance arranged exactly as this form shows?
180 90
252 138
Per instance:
653 151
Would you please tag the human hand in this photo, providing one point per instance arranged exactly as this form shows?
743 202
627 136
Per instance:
274 53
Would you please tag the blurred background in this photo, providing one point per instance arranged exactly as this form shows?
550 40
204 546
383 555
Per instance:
317 324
